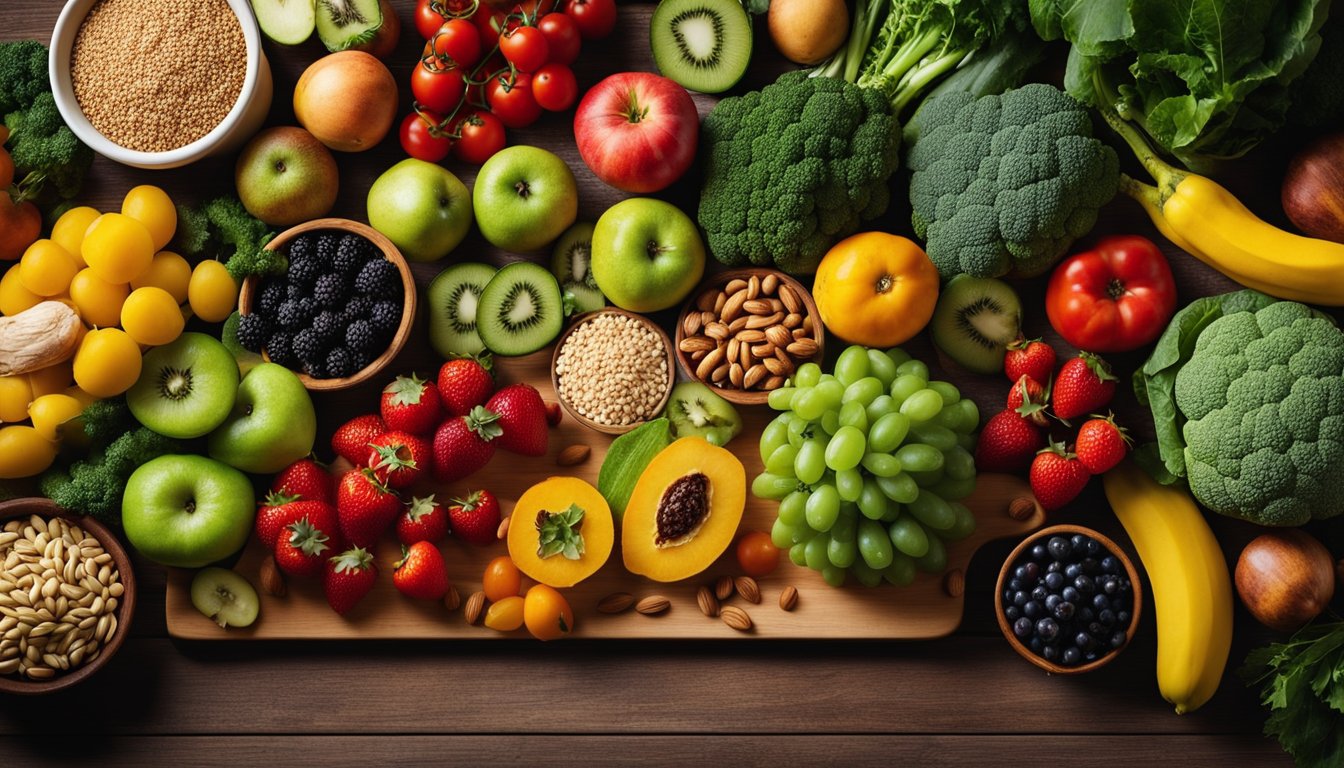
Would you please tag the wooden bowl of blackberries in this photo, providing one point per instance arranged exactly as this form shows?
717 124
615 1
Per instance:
1069 599
341 310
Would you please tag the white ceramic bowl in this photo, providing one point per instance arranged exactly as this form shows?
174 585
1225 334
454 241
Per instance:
242 121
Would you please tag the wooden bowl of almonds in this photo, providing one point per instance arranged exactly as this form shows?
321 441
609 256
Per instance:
67 595
612 370
745 331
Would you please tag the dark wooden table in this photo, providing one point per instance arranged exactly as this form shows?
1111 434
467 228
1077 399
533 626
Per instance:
963 700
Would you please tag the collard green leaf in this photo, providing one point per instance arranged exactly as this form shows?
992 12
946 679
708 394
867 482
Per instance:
626 459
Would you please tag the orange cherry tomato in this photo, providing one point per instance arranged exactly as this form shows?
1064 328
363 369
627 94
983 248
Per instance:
505 615
757 554
20 227
547 613
502 579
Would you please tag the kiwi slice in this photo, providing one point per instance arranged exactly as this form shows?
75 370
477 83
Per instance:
974 321
571 263
705 45
224 597
454 296
287 22
521 310
342 24
695 410
186 388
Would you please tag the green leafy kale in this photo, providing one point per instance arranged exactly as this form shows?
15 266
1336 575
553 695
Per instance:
223 229
1302 684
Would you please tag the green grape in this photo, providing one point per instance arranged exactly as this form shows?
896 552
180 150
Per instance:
893 512
865 390
781 534
880 407
901 488
780 460
901 572
959 463
882 464
872 502
952 490
833 575
968 416
781 398
863 574
807 375
775 434
847 523
935 561
808 405
906 385
853 414
849 484
928 479
931 434
846 448
881 366
915 457
776 487
949 417
966 440
946 390
830 421
922 405
830 391
802 534
842 554
810 463
913 367
823 507
933 511
898 356
815 552
874 546
888 432
799 431
791 508
796 554
851 365
909 536
963 526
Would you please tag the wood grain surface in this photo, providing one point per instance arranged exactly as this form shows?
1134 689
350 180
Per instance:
962 700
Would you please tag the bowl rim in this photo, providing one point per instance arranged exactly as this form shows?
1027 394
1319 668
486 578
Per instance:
408 302
664 339
63 36
1110 545
43 507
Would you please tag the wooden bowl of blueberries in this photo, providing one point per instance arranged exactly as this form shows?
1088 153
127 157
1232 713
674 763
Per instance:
341 311
1068 599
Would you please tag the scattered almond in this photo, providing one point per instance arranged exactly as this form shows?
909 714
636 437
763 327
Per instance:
723 588
788 599
451 599
616 602
1021 508
709 604
503 531
272 580
736 618
475 606
748 589
573 454
954 583
653 605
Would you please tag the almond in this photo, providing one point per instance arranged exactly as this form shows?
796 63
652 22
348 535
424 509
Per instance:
788 599
777 367
753 336
954 583
720 300
690 324
754 375
696 344
708 363
272 580
573 455
754 287
723 587
770 284
757 307
734 285
802 349
475 606
716 331
778 335
790 299
735 375
734 349
720 373
739 323
774 382
705 301
762 351
616 602
748 589
733 306
709 604
764 321
793 320
451 599
1021 508
503 531
736 618
653 605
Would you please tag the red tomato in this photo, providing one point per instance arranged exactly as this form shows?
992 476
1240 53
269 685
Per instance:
427 18
525 48
422 138
757 554
456 42
1114 298
489 23
562 36
482 135
555 88
511 99
439 90
596 18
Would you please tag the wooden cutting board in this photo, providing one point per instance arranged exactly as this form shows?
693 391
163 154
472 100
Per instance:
922 610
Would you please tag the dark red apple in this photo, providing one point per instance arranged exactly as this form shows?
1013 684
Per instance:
637 131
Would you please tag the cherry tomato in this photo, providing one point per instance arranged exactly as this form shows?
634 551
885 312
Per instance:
439 90
525 48
547 614
596 18
482 135
757 554
422 139
562 35
489 23
505 615
502 580
456 42
427 18
1114 298
511 99
6 168
20 226
554 87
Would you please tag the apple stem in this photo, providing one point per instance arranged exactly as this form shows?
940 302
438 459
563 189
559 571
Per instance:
633 112
653 249
522 189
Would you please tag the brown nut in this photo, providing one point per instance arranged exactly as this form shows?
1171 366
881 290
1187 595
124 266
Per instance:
272 580
788 599
1021 508
690 324
653 605
451 599
734 285
733 306
708 363
502 532
753 287
764 321
475 606
736 618
696 344
753 336
790 299
573 455
754 375
954 583
709 604
770 284
723 587
748 588
716 331
778 335
616 602
802 349
757 307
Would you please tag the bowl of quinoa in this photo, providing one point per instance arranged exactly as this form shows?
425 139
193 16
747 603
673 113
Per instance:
612 370
160 83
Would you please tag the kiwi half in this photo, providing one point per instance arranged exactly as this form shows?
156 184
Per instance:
521 310
342 24
975 320
186 388
454 297
571 263
705 45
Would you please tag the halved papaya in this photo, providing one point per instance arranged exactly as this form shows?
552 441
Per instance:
684 511
561 531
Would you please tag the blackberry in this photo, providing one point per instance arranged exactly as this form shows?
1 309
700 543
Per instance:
352 253
331 290
295 290
271 295
362 359
385 317
304 271
359 336
378 279
309 348
301 247
294 314
328 326
280 348
357 308
326 249
253 330
340 363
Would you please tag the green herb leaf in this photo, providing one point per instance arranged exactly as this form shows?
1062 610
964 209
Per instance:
558 533
1303 687
626 459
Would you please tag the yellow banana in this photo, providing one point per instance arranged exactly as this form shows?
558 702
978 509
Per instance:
1192 589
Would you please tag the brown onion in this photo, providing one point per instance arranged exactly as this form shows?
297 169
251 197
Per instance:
1285 578
1313 189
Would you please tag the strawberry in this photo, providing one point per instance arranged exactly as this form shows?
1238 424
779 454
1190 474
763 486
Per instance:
304 479
1101 444
348 578
420 573
522 415
278 511
302 548
352 438
464 383
398 458
1084 385
476 518
364 506
464 444
1029 399
410 404
423 519
1007 443
553 413
1032 358
1057 476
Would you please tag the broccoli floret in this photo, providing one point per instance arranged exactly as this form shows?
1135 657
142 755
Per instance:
193 231
94 486
793 168
1005 183
45 151
23 74
224 229
106 420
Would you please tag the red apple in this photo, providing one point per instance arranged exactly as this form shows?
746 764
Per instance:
637 131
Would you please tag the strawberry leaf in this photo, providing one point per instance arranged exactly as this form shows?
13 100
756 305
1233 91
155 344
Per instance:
405 390
419 507
484 423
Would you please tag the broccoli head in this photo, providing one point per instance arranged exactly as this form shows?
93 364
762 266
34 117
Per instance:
23 74
1005 183
94 486
45 151
223 229
794 167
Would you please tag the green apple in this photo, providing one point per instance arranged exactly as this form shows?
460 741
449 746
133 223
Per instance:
187 511
524 198
647 254
286 176
272 424
422 208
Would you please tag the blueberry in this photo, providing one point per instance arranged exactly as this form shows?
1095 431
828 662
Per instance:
1085 615
1073 571
1020 598
1117 638
1095 629
1020 572
1122 618
1084 641
1054 581
1054 567
1052 601
1110 564
1014 584
1059 547
1093 547
1032 571
1078 540
1071 594
1071 656
1110 585
1008 595
1040 592
1064 611
1089 566
1100 602
1022 627
1039 552
1050 652
1036 645
1012 613
1033 610
1083 583
1106 617
1090 656
1047 629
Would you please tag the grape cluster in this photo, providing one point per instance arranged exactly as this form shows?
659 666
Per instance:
868 464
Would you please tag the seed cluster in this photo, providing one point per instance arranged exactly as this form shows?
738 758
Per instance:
155 76
613 369
59 592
